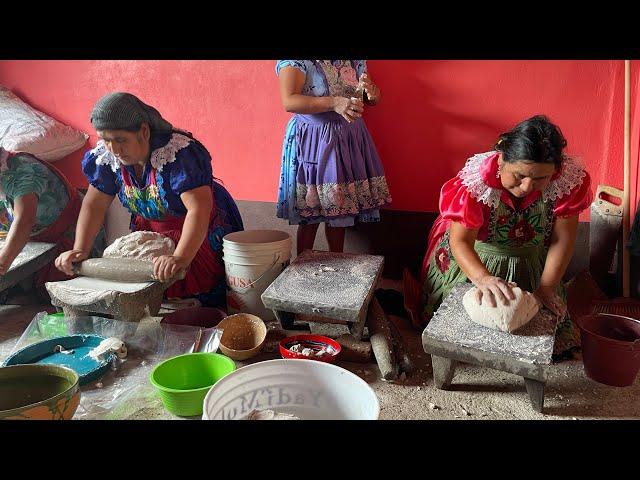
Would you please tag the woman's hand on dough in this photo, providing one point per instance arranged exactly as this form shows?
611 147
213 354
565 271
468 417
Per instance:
551 300
65 260
166 267
490 288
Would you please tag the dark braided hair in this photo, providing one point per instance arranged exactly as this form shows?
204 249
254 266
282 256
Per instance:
535 140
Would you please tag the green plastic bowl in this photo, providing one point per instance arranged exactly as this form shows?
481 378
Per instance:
184 381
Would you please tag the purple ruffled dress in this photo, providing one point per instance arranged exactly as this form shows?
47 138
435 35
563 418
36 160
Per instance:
331 171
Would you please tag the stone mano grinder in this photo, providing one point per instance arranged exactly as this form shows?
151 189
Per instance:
120 270
122 287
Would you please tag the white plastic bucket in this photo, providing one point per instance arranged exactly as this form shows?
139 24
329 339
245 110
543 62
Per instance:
252 260
308 389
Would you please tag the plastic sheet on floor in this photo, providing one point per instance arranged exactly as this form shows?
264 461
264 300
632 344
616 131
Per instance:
124 392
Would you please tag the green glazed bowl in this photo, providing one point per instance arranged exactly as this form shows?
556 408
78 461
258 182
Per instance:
38 392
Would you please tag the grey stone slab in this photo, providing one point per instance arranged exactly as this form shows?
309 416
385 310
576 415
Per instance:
129 307
451 325
33 257
331 330
334 330
332 285
490 360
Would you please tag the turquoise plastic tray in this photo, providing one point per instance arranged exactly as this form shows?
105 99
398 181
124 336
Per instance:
86 367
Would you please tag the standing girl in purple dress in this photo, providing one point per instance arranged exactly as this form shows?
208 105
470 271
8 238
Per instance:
331 171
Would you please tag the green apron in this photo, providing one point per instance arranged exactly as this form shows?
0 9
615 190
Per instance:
515 250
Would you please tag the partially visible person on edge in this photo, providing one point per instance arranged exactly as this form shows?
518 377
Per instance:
163 176
37 204
331 171
509 217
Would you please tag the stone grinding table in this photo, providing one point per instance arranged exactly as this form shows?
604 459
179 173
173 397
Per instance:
451 337
124 288
335 286
134 302
34 256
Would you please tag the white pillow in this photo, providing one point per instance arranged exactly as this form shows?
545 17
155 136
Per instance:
25 129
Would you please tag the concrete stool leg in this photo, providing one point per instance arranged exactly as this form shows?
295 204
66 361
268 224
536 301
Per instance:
72 312
443 371
74 326
131 316
535 389
155 303
357 329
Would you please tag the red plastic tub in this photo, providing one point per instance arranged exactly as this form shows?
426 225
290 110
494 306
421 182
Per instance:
204 317
610 348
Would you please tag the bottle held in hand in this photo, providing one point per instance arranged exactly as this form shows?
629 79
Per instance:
359 93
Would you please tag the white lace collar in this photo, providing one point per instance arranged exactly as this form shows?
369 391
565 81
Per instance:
471 177
159 157
573 173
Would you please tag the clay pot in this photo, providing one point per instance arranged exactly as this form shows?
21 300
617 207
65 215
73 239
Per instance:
243 336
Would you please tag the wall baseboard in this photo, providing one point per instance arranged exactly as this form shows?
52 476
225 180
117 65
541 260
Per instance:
400 236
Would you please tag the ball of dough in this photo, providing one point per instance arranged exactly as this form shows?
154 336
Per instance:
506 318
141 246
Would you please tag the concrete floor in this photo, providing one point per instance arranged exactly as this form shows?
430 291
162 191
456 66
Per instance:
477 394
482 393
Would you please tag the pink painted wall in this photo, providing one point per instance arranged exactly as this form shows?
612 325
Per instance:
433 115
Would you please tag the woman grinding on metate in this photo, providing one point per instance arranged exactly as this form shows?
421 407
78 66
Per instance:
510 217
